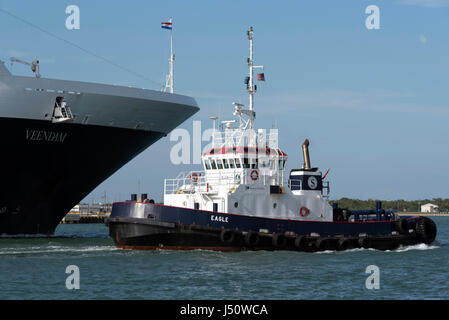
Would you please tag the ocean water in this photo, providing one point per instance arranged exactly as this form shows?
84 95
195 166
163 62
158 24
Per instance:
35 268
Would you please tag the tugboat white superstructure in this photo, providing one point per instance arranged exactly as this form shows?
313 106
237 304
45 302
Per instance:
242 201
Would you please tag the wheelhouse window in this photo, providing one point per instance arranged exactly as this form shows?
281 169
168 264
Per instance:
246 163
213 165
237 163
207 164
281 164
231 163
225 164
254 163
219 164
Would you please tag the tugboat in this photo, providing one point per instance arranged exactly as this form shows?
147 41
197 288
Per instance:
242 202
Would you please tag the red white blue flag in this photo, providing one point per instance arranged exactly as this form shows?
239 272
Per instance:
166 25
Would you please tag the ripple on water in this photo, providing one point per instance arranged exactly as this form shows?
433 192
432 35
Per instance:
35 268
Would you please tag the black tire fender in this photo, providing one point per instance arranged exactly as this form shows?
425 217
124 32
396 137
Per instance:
300 242
227 236
279 240
343 244
402 226
426 230
321 243
364 242
252 238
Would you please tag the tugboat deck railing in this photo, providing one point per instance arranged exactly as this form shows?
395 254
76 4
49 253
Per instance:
210 183
249 138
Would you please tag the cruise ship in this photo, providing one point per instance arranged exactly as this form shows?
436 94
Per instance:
60 139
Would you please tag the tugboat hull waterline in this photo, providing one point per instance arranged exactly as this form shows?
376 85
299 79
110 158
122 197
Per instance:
147 226
60 139
241 201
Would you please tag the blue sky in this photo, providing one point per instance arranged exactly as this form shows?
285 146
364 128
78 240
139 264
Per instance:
373 103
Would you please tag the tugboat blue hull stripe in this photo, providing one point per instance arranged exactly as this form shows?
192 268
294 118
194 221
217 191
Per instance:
251 223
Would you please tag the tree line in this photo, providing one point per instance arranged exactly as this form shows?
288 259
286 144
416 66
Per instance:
395 205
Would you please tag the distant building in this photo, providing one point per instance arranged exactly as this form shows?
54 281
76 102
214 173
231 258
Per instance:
429 207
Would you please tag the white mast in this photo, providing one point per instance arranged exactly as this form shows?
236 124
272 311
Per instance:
251 88
172 56
169 77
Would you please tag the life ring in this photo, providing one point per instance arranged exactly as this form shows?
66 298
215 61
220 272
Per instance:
304 212
194 177
254 175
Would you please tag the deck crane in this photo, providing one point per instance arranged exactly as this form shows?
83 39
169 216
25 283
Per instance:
34 65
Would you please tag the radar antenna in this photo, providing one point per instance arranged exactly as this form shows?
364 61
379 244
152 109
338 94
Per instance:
250 87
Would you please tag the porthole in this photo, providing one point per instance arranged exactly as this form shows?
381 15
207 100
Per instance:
236 204
275 205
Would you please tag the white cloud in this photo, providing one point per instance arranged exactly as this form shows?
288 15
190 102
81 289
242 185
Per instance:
15 53
372 99
422 39
426 3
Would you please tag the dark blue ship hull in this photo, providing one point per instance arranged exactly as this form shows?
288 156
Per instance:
46 168
149 226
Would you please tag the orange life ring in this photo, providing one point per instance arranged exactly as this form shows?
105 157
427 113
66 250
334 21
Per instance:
304 212
254 175
194 177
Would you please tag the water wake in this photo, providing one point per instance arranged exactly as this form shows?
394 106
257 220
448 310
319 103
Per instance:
54 249
421 246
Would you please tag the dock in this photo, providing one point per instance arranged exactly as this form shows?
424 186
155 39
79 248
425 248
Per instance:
88 213
72 217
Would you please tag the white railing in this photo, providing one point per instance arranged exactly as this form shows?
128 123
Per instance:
249 138
212 182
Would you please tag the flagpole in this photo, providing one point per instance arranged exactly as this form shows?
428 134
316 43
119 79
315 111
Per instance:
172 56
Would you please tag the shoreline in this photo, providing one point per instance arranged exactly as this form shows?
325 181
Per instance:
423 214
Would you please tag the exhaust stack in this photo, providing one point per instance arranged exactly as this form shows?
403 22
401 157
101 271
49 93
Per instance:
305 152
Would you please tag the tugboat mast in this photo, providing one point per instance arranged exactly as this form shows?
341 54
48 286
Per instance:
251 88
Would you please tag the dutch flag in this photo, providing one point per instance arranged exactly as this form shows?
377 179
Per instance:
166 25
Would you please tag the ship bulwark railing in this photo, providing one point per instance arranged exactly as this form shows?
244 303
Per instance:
202 182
